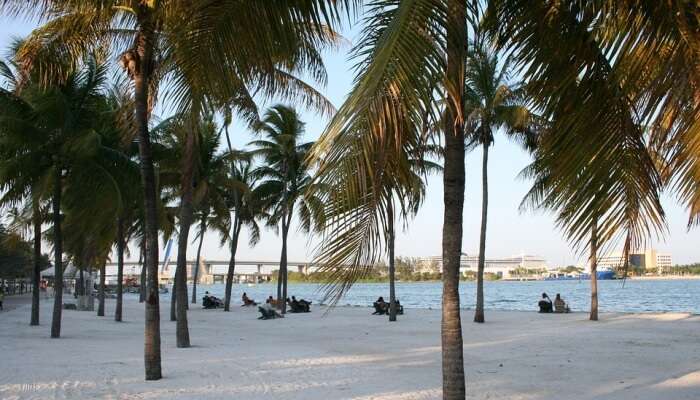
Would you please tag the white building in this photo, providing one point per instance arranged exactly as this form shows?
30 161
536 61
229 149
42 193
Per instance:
648 260
499 266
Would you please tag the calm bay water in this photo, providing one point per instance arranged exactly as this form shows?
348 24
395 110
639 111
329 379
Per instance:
634 296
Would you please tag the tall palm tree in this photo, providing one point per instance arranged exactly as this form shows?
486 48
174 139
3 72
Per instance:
46 129
287 178
262 44
491 103
403 52
212 190
412 51
10 73
246 209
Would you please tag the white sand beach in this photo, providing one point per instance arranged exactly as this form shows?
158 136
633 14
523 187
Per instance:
350 354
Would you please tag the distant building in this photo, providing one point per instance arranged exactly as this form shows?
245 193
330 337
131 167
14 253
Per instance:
502 267
647 261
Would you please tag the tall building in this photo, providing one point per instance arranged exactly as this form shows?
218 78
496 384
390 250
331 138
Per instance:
503 267
646 261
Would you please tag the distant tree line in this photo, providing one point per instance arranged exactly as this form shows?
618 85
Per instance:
688 269
16 258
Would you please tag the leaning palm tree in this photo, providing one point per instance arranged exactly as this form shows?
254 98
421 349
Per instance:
285 175
261 45
593 166
491 103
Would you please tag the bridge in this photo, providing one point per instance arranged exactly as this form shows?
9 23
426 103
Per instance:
213 271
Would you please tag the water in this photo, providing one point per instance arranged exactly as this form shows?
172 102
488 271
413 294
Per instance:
635 296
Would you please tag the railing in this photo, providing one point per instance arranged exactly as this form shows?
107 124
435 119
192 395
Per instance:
16 286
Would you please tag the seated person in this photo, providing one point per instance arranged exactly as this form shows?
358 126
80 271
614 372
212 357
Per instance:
304 305
380 306
247 301
545 304
209 301
272 301
293 305
267 311
399 307
560 305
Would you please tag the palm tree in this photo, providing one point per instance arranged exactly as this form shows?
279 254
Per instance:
593 165
246 210
412 51
286 179
491 103
8 173
171 36
45 131
212 190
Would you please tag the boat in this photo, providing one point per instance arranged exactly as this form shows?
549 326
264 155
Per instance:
603 274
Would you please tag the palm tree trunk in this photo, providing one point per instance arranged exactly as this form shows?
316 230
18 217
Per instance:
281 272
186 217
36 272
202 229
479 313
594 273
120 270
232 263
142 280
282 285
285 234
453 382
173 297
101 290
141 76
392 266
58 256
82 281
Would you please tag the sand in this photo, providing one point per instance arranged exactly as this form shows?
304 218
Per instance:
350 354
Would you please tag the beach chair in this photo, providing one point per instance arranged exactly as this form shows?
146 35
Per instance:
380 309
268 314
545 306
305 305
561 308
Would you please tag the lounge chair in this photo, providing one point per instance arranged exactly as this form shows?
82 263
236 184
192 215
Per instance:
301 306
268 314
209 302
545 306
561 308
380 308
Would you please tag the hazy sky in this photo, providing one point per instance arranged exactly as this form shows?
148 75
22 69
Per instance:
509 231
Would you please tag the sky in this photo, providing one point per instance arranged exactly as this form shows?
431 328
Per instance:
509 231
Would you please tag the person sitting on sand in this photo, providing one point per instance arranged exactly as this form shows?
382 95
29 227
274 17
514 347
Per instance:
560 305
247 301
268 311
545 304
271 300
302 305
380 306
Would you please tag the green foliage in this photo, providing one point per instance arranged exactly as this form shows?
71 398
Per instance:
689 269
17 256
